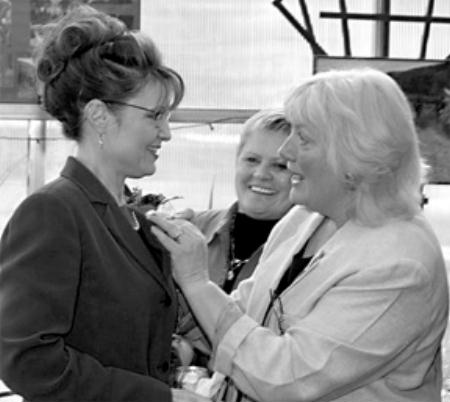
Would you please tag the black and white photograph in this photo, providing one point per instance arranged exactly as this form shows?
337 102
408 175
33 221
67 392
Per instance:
224 200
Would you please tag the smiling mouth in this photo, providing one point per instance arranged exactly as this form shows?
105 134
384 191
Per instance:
262 190
154 151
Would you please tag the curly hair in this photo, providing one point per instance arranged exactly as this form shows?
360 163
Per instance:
87 55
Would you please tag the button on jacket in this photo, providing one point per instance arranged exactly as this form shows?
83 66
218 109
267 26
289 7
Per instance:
87 310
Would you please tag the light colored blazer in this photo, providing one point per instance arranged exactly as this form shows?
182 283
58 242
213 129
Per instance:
363 322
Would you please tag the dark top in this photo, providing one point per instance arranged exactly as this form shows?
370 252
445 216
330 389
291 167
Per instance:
246 236
296 267
249 234
298 264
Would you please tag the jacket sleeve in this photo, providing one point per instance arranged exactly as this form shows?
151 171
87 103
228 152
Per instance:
188 326
40 269
358 331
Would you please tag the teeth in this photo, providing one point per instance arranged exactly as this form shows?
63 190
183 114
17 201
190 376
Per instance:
262 190
154 151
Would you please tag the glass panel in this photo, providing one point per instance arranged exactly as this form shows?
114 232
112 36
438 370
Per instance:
21 30
438 41
13 166
237 54
197 164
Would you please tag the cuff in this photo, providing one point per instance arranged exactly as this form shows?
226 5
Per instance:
232 328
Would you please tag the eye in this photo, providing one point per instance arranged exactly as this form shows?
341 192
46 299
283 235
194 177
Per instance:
160 114
251 159
280 166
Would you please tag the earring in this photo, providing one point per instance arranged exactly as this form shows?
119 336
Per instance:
100 140
350 181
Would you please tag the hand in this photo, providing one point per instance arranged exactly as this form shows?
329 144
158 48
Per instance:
183 349
143 209
187 248
182 395
186 214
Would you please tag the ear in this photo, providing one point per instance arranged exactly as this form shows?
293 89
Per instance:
97 114
350 181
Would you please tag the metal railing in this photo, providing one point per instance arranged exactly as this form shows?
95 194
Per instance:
37 130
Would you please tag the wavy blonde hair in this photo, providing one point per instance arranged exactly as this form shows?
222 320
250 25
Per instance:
366 124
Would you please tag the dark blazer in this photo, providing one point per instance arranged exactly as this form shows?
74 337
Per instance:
87 309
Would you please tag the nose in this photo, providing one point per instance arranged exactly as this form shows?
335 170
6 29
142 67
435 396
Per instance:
262 171
287 148
164 131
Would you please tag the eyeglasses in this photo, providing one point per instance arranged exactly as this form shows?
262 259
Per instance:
155 114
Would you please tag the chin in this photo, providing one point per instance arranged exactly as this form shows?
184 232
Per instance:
297 199
142 173
260 212
149 170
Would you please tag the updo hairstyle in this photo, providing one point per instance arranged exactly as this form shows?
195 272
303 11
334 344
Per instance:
88 55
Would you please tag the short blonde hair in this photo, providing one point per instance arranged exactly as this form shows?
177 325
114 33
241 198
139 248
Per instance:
366 124
272 120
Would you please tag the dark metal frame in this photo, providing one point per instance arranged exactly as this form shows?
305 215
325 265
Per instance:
384 17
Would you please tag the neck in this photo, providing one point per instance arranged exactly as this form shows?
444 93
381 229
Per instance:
320 236
342 209
113 182
252 218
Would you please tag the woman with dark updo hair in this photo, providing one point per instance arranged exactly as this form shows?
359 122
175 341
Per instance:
87 301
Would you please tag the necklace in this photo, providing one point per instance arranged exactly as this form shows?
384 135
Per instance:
131 217
246 237
135 223
235 263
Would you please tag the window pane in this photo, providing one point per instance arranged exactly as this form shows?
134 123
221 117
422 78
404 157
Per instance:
438 41
232 54
197 164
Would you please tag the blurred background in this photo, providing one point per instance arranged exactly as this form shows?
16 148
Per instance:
236 57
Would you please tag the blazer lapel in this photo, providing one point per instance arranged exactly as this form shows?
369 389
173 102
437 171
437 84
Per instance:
156 262
161 253
321 253
108 210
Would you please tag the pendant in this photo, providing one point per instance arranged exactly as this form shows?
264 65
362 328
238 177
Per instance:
230 275
235 267
135 223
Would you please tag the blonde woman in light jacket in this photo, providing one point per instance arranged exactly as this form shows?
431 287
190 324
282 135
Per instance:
364 319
